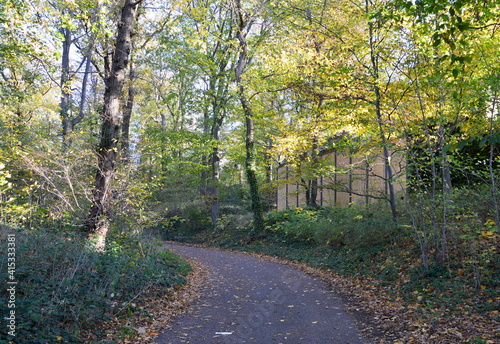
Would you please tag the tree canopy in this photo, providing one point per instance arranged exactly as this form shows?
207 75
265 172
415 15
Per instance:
213 95
186 119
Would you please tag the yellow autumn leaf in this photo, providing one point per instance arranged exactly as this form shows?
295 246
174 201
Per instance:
487 234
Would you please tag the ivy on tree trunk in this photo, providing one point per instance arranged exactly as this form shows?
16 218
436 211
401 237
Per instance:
250 161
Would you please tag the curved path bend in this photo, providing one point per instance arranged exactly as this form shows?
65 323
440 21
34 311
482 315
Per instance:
252 300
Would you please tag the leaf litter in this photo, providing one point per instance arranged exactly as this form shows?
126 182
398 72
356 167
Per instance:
154 310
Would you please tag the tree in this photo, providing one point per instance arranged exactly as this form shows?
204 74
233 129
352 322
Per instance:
216 60
374 37
463 32
107 150
245 22
76 25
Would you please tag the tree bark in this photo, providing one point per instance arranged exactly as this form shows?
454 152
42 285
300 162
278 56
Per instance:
220 54
216 123
250 159
127 115
214 184
204 159
107 150
374 57
313 200
85 81
65 87
68 123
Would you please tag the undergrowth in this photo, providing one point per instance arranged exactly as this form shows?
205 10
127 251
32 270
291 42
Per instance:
66 290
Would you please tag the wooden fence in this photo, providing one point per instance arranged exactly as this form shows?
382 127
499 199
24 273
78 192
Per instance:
355 179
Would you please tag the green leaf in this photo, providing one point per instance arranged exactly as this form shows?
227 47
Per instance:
483 141
462 26
494 139
449 147
460 145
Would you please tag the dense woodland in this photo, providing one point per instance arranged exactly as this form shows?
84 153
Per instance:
125 121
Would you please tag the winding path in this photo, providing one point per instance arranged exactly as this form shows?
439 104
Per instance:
252 300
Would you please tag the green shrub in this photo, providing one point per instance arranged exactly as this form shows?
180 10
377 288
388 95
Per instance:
335 227
229 223
185 221
476 200
297 225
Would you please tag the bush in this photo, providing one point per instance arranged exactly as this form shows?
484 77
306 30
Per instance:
196 216
335 227
296 225
476 200
185 222
65 288
229 223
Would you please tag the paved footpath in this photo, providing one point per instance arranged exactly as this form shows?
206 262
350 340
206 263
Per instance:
252 300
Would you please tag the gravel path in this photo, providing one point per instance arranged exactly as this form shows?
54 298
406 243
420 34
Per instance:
251 300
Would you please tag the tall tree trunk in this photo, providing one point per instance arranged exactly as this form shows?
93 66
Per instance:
220 53
250 159
217 119
204 159
313 201
250 164
306 184
127 115
423 232
85 81
107 151
374 57
214 185
446 195
315 149
69 123
65 87
219 89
